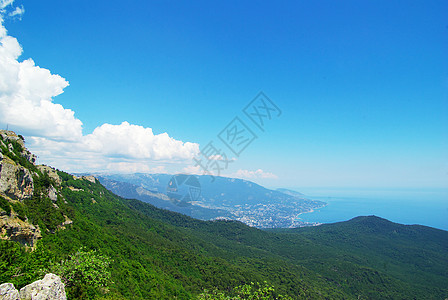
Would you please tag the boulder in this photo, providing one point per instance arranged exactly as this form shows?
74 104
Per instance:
49 288
8 292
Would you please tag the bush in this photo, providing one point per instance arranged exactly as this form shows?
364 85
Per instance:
247 292
4 204
19 209
85 273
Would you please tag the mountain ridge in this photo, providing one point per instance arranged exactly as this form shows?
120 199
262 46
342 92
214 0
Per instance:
220 198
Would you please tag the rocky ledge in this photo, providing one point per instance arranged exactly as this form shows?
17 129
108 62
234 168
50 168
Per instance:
49 288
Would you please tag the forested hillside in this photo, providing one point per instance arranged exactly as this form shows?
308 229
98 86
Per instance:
105 246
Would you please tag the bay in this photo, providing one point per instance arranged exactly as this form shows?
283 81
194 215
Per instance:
427 207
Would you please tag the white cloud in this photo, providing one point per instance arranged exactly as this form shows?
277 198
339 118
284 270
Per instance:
246 174
138 142
128 167
5 3
219 157
158 169
216 157
121 148
17 12
26 96
193 170
54 133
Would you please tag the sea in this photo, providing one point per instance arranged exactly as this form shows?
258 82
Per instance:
427 207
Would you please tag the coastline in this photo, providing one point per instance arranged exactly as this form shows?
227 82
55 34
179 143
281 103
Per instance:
427 209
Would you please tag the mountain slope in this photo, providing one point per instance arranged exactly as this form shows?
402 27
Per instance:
220 197
160 200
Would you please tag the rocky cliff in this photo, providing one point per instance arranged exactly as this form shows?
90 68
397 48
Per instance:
16 180
22 182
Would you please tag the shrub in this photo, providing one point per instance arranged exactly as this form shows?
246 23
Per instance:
4 204
85 273
247 291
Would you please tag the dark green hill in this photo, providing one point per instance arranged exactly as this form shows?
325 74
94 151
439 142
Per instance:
411 253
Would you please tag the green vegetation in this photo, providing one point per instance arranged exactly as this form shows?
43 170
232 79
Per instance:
16 154
125 249
85 273
20 265
40 209
20 210
246 291
413 254
4 204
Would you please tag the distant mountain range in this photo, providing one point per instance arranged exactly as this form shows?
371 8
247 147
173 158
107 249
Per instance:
215 198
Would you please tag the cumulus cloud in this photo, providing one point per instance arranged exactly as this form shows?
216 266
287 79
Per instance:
246 174
120 148
138 142
54 133
26 95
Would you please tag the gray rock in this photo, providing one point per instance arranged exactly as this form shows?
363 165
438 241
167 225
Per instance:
51 172
49 288
29 156
9 135
90 178
15 181
14 229
8 292
52 194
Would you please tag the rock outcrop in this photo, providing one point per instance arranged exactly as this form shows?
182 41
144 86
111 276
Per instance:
49 288
8 135
8 292
52 173
90 178
15 181
19 178
14 229
52 194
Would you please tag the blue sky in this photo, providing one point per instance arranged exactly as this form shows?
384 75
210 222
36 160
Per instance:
362 85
